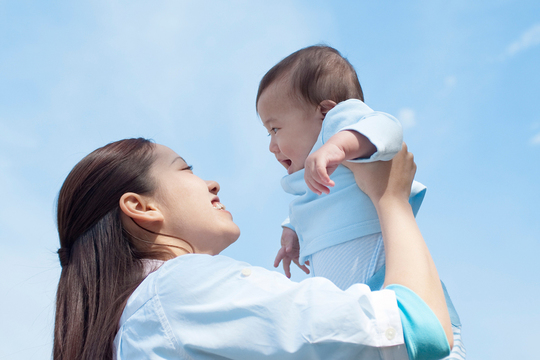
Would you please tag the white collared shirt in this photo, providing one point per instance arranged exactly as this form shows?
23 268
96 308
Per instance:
213 307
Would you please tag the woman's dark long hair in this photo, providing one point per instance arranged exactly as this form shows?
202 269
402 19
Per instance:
101 266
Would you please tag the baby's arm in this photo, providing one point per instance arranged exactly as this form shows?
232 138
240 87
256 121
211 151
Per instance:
351 131
289 251
345 145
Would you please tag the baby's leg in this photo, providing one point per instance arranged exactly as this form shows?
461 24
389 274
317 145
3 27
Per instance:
351 262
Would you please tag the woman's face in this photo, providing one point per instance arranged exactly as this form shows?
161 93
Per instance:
190 206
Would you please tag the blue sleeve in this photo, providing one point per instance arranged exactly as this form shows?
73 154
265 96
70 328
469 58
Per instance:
287 223
423 333
383 130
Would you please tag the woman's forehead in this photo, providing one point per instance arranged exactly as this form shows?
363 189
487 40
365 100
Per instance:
166 156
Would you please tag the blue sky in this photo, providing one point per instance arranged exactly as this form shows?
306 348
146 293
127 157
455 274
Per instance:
462 76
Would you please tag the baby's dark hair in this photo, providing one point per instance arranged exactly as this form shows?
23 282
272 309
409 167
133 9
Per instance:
316 73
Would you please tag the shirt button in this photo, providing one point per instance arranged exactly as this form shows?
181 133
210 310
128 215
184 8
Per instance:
390 333
246 272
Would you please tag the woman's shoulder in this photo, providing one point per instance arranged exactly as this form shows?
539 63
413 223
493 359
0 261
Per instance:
198 261
201 273
197 274
193 268
183 274
192 280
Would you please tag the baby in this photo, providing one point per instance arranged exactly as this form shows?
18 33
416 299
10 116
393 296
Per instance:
312 105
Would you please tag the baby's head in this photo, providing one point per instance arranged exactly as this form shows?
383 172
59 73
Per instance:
295 95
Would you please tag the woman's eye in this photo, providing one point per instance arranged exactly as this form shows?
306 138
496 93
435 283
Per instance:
272 131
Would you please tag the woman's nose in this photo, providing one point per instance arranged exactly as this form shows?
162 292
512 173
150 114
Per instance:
213 186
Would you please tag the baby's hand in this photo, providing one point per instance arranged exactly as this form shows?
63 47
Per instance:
320 165
290 251
345 145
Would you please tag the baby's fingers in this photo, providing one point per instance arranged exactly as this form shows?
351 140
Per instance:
317 177
316 187
287 267
280 256
321 175
317 168
303 267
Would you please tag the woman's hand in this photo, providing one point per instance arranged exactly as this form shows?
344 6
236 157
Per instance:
382 180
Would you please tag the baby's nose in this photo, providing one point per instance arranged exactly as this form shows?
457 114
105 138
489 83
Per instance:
273 147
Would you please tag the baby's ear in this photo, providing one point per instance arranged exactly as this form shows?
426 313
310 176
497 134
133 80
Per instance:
326 105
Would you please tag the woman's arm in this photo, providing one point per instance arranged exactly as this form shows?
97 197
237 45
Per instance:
408 261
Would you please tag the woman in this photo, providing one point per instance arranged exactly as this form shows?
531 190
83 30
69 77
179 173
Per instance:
141 276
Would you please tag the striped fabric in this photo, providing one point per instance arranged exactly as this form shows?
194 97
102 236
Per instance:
351 262
458 351
356 261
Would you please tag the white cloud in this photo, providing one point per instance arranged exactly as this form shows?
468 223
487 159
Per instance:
407 117
450 81
449 84
535 140
528 39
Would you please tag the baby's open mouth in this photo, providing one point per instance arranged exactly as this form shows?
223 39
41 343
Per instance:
287 163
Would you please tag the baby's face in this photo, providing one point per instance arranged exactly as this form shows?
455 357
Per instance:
292 125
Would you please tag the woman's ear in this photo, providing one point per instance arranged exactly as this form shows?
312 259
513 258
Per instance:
326 105
140 208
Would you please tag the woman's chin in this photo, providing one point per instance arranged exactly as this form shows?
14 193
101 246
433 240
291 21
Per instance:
229 239
234 235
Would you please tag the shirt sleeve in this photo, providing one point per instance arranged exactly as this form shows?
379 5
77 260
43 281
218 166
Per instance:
424 335
287 223
383 130
219 307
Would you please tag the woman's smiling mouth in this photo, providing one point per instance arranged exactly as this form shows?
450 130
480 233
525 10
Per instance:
217 205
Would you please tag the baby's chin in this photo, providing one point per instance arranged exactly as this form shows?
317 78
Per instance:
292 169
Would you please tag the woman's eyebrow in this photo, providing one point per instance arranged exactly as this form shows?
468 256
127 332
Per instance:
178 158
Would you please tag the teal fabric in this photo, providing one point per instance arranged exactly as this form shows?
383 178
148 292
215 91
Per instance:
454 317
377 281
423 333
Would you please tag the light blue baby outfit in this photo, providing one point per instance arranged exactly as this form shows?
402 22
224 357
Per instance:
322 221
339 232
